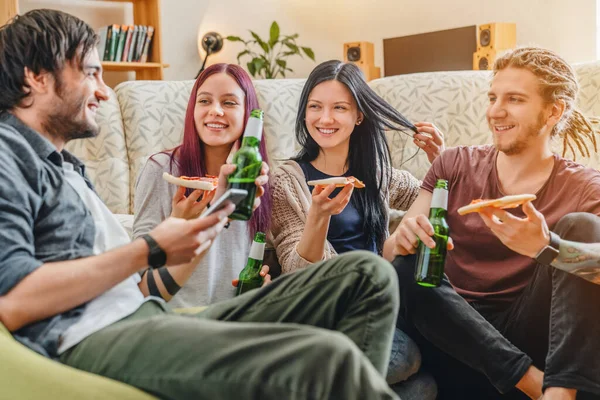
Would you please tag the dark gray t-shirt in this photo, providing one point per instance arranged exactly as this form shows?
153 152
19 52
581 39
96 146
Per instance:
42 219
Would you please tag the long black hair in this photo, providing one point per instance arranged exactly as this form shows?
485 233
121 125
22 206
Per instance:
369 156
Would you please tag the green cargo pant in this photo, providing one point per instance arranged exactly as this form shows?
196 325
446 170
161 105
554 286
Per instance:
278 342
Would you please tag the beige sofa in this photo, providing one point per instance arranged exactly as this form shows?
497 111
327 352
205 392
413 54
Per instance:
143 117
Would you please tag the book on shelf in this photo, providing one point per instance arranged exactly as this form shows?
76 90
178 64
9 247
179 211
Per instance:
111 42
121 42
146 49
125 43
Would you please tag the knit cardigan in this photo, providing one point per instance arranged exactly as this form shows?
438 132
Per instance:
292 199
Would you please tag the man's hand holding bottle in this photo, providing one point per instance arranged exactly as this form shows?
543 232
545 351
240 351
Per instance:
410 231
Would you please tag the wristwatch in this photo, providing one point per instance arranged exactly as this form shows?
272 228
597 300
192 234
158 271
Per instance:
550 251
157 256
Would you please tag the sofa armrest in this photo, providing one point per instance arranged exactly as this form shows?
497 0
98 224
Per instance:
25 375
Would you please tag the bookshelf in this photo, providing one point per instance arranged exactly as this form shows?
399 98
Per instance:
145 12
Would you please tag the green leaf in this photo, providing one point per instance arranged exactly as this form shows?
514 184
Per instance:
292 47
241 54
294 36
274 34
234 38
282 73
259 63
308 51
251 68
282 63
261 42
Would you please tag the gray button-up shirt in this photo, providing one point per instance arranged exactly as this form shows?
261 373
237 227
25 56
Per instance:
42 219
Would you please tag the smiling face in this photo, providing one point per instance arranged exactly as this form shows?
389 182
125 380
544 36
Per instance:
77 94
331 115
517 114
219 112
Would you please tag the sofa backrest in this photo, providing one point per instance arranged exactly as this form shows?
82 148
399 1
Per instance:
145 117
106 157
153 117
456 102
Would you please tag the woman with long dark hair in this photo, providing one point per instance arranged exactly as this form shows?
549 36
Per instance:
215 119
341 126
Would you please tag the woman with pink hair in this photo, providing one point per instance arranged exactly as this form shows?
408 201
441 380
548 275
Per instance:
215 119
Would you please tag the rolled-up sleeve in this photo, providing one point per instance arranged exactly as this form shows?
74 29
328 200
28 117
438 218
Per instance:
17 239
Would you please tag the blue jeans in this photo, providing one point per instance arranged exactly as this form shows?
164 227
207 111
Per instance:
476 350
404 375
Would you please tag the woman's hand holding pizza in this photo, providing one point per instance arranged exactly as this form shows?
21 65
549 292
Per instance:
191 206
323 206
430 139
410 231
526 236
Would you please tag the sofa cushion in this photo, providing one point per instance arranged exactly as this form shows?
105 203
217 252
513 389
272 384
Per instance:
279 99
153 114
454 101
27 375
106 157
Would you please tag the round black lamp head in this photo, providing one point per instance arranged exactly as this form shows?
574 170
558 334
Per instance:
212 42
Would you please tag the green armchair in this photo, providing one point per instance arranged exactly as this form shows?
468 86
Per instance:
26 375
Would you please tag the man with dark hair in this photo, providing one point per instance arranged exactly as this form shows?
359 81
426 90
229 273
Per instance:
69 282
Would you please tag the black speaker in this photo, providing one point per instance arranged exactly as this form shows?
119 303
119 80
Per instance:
353 54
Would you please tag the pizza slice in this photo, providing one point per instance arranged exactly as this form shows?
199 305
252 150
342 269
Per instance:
339 181
512 201
208 182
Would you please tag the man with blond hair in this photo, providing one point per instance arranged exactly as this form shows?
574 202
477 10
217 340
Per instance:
502 314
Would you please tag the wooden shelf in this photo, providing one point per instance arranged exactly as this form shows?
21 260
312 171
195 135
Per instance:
129 66
145 12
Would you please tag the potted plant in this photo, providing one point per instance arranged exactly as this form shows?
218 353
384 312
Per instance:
268 58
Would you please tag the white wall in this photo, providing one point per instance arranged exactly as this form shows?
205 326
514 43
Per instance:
566 27
324 25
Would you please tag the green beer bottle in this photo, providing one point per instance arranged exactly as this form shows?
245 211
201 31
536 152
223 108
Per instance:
250 276
430 262
249 162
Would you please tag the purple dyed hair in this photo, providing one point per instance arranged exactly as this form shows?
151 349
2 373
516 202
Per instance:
189 156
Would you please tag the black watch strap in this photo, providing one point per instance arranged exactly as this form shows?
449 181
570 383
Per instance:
156 256
550 252
150 240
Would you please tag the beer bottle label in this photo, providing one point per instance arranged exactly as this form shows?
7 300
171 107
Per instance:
254 128
439 199
257 251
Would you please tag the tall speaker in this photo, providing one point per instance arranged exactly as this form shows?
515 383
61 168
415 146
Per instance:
362 55
493 39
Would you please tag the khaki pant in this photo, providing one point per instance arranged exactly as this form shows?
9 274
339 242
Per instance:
321 333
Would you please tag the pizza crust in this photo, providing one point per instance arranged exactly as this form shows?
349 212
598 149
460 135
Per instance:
512 201
192 184
339 181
